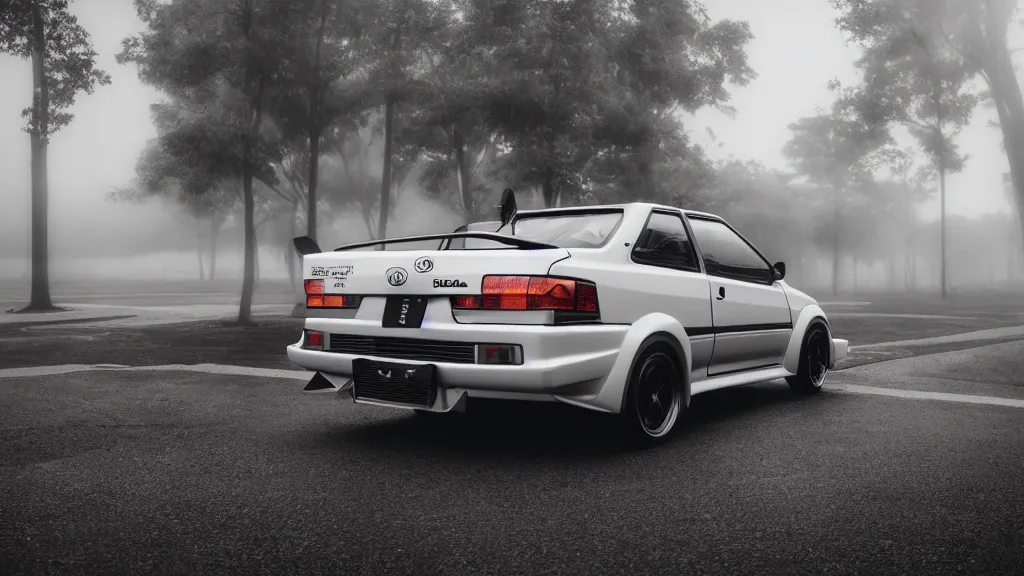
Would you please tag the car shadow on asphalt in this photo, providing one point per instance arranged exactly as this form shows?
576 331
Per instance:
528 431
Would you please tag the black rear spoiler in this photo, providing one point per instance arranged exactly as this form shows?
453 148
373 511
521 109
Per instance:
508 240
306 245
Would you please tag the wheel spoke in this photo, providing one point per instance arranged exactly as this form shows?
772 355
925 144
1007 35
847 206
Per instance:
655 394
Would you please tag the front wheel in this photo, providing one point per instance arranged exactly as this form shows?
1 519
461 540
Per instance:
814 357
654 397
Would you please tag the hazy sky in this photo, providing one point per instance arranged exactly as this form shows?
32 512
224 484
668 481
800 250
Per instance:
796 51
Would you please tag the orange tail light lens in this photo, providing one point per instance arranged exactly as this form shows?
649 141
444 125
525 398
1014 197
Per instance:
315 297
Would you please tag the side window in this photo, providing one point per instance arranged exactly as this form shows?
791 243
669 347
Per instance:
726 254
664 242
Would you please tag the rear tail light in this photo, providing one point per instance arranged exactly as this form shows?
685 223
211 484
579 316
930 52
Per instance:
313 340
315 297
532 293
499 354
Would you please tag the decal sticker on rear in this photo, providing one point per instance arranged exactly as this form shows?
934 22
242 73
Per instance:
423 265
341 272
449 283
396 276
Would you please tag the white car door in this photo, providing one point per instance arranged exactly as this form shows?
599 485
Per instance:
668 279
750 311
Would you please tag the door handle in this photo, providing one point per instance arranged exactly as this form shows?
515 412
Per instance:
721 293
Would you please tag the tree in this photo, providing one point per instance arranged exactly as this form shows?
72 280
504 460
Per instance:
323 81
553 58
226 56
399 31
63 65
972 33
203 191
920 82
836 150
446 127
667 56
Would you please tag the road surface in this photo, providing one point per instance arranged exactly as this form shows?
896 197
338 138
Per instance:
186 472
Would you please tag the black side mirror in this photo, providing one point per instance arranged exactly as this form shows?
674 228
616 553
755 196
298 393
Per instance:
508 207
779 270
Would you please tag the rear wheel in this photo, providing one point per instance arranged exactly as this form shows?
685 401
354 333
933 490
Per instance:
814 357
654 396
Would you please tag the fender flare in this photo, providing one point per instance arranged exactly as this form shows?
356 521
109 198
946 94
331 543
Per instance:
810 315
657 326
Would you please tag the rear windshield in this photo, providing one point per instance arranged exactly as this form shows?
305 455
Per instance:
583 230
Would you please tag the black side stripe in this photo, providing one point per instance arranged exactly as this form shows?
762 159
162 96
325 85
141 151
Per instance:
704 331
738 370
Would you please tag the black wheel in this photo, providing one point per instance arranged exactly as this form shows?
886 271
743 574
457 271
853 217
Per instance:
654 397
814 357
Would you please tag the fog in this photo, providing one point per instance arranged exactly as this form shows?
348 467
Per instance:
95 238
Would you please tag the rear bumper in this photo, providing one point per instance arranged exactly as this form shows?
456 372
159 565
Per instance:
557 360
840 350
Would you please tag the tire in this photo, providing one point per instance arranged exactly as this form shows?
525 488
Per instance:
654 382
814 357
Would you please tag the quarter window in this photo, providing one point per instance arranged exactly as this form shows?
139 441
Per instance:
664 242
728 255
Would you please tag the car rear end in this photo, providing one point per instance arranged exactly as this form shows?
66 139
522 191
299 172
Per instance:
425 329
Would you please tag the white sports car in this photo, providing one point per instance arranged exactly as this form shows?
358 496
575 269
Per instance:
627 309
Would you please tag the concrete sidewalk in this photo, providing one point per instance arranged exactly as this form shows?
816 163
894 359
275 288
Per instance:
108 315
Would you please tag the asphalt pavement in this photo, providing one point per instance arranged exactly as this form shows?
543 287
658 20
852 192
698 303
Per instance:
174 472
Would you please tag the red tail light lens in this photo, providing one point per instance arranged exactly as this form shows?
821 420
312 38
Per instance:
315 297
531 293
586 297
314 339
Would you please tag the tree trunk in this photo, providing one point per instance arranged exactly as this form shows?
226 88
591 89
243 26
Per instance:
835 249
248 269
942 196
1006 92
906 267
385 179
255 111
315 127
256 258
215 223
548 188
314 169
40 296
199 252
289 250
913 271
465 187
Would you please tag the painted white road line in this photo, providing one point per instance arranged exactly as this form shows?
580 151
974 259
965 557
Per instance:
229 370
921 395
990 333
220 369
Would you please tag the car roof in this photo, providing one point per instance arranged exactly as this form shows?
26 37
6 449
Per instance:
627 206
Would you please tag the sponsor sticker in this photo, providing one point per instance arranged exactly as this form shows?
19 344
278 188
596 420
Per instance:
449 283
339 271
